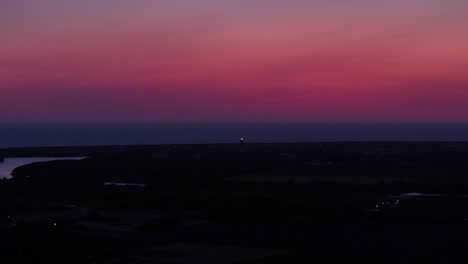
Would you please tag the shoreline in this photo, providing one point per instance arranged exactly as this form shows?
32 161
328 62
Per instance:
85 150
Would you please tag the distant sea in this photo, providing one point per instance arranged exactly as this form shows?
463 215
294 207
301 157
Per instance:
81 134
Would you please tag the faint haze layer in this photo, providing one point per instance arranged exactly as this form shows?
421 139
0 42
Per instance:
246 60
24 135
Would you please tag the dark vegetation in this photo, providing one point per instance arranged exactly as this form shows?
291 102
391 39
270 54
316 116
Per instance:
333 213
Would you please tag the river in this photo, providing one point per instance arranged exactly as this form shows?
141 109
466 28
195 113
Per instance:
10 164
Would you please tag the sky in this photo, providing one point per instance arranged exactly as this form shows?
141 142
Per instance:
234 61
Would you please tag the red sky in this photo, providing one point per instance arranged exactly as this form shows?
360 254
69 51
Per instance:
219 60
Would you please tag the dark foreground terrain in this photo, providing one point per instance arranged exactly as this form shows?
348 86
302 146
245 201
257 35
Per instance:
385 202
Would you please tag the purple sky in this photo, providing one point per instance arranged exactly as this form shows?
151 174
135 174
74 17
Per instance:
295 60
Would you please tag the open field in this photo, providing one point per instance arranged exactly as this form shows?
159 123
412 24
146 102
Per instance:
259 203
310 179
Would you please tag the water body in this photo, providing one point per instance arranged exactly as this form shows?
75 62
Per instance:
65 134
10 164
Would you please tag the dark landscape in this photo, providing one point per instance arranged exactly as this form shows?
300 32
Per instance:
238 203
233 132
